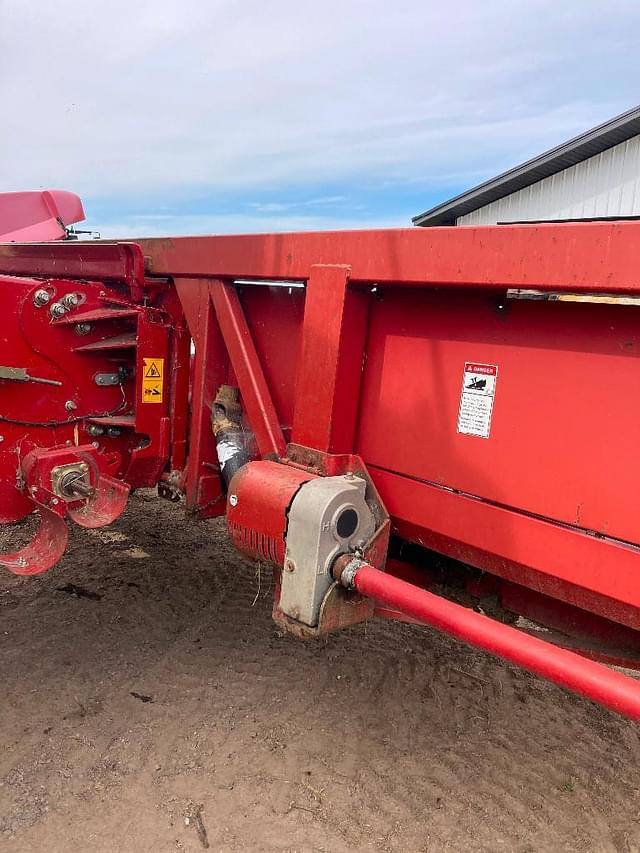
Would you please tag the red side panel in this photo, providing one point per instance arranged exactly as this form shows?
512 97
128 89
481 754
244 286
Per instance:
566 409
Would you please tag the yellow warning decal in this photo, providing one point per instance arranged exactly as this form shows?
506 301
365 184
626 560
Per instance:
152 379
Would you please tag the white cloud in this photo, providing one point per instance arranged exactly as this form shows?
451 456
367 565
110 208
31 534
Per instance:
192 97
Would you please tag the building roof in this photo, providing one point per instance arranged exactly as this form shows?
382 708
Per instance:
579 148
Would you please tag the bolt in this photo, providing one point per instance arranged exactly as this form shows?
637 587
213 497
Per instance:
290 566
95 444
83 328
349 475
57 310
1 438
70 300
95 429
54 501
83 466
41 298
70 406
113 432
233 500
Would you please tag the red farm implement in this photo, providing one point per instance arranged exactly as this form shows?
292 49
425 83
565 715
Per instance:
356 402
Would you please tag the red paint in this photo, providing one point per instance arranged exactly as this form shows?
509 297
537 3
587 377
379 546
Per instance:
568 376
584 256
108 332
333 334
366 362
260 495
597 574
110 262
612 689
248 370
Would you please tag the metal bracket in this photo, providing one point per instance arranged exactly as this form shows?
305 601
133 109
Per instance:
328 516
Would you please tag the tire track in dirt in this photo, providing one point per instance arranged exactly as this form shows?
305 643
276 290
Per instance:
384 737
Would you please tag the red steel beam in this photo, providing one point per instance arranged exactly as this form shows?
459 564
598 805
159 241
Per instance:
248 370
584 256
331 361
593 680
597 574
122 262
203 486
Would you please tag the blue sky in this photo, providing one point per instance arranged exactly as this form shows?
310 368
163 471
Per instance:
223 116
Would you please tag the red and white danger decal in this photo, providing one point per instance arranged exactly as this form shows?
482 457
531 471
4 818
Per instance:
476 399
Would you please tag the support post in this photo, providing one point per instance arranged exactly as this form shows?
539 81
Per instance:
203 487
331 361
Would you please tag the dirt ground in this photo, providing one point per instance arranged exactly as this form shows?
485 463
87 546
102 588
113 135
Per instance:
165 712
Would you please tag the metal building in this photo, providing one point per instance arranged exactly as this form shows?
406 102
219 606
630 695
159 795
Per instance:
594 176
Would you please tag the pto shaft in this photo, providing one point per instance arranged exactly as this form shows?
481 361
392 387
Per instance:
593 680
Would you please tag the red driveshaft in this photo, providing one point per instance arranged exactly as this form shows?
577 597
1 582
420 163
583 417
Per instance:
590 679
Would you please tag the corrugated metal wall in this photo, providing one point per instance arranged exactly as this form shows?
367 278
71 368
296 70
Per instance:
605 185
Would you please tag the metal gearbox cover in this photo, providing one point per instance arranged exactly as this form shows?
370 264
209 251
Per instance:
328 516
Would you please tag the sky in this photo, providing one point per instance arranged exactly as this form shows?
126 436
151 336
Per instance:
220 116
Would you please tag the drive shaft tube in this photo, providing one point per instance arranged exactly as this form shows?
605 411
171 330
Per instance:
568 669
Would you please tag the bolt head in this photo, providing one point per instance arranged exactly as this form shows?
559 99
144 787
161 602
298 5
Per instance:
41 297
70 406
290 566
70 300
57 310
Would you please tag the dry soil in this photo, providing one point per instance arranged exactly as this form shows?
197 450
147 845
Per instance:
150 704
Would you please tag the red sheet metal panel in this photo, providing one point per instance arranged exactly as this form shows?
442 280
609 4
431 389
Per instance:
274 316
599 575
566 410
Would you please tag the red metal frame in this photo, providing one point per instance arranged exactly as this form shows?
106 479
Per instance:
115 262
333 341
373 365
331 345
248 370
576 257
201 482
